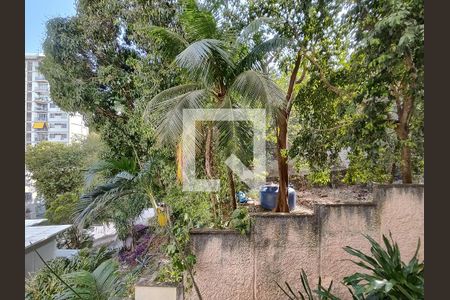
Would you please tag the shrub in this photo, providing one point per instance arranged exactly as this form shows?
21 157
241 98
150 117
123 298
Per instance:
240 220
388 276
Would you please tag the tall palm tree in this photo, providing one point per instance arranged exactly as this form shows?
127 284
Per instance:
222 73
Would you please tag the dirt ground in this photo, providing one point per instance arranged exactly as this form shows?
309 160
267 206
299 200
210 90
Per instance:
308 196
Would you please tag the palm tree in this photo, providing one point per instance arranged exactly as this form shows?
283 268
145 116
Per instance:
124 193
102 284
222 73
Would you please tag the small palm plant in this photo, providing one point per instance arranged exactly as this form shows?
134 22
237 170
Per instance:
221 73
120 198
102 284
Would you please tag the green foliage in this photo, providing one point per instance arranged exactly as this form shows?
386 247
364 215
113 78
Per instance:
62 209
388 66
181 259
73 238
101 63
240 220
319 293
319 177
103 283
45 285
387 277
56 168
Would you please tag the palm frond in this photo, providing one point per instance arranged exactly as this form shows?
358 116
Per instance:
254 58
255 26
168 106
102 283
93 206
110 167
171 43
205 59
258 89
197 23
233 134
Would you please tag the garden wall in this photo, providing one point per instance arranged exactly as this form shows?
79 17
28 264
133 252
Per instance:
234 266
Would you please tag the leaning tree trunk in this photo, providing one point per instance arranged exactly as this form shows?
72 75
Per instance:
282 204
282 127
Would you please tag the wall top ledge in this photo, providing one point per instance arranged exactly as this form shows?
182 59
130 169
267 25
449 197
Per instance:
399 185
213 231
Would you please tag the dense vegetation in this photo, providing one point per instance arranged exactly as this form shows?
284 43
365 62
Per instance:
336 77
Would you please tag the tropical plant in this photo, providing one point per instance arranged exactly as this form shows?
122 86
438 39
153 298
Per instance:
124 193
103 283
220 72
45 283
388 276
74 238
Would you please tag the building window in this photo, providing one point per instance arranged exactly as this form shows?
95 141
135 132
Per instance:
41 107
30 66
52 105
28 106
28 116
29 96
28 126
29 86
28 137
43 86
40 137
42 117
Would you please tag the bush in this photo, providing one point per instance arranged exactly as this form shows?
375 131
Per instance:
61 210
240 220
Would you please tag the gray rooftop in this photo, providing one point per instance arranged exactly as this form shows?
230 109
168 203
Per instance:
32 222
39 234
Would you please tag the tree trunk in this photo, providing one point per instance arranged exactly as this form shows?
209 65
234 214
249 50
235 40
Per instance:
406 164
208 152
208 165
232 188
282 127
405 110
283 181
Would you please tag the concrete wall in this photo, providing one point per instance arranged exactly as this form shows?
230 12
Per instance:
32 261
234 266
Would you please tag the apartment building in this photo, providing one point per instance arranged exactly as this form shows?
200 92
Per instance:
44 121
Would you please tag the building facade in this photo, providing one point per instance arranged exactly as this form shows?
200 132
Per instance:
44 121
